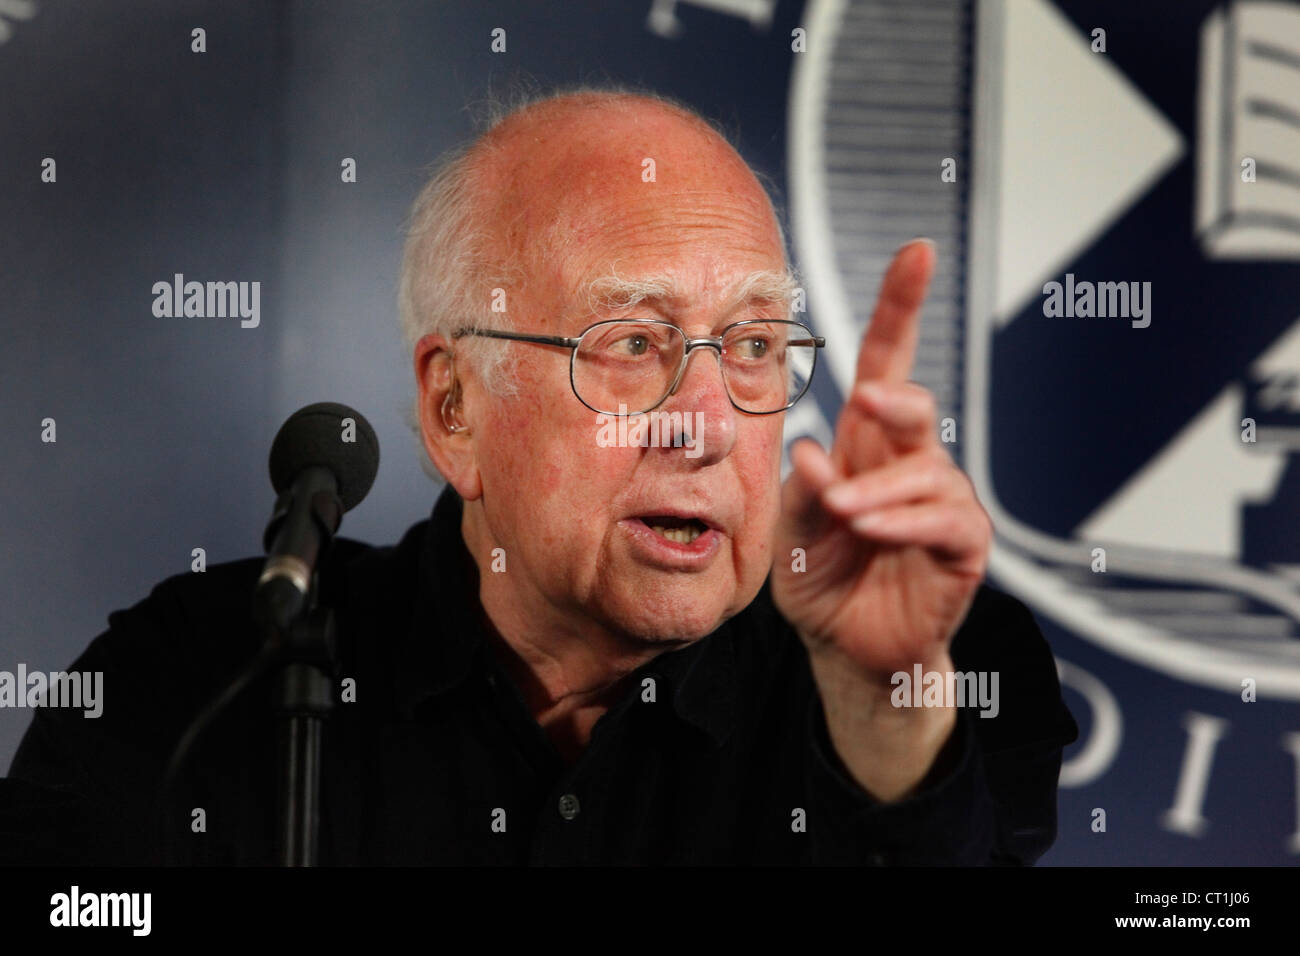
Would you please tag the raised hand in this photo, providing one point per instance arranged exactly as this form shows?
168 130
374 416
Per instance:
895 542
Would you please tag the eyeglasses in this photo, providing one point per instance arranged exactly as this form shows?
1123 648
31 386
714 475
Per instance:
623 364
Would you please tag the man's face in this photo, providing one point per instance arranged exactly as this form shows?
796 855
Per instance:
576 518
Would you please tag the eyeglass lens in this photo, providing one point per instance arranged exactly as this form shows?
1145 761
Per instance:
766 366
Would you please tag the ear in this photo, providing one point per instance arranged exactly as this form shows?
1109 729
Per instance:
453 453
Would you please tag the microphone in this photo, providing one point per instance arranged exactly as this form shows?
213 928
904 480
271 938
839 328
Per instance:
323 462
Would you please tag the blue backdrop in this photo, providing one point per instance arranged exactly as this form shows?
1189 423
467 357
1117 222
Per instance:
1147 525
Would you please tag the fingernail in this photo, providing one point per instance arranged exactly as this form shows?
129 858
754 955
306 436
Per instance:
866 522
841 497
925 239
872 392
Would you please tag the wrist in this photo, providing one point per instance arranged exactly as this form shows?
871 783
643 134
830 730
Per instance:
889 750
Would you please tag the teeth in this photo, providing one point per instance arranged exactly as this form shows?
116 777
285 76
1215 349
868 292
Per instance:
680 535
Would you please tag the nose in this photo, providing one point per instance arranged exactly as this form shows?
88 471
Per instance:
701 394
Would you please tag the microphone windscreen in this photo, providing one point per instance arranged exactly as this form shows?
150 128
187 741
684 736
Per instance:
319 435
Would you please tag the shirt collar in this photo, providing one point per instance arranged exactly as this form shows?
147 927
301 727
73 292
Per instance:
446 638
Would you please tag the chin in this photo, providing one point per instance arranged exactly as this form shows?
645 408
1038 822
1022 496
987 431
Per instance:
686 612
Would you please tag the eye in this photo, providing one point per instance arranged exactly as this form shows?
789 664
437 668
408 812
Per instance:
632 345
752 347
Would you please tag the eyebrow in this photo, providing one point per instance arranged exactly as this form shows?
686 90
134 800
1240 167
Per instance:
614 292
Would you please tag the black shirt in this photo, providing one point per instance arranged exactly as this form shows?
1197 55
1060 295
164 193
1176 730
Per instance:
722 756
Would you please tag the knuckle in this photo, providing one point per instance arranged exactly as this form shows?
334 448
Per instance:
939 459
951 525
981 525
929 405
938 475
923 398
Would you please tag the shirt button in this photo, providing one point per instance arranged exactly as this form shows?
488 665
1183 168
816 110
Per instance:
568 806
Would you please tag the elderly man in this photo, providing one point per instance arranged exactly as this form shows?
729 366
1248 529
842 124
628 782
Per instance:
620 651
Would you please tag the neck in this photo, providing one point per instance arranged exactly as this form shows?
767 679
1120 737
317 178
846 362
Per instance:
568 671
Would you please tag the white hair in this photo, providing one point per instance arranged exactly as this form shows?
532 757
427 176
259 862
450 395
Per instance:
444 263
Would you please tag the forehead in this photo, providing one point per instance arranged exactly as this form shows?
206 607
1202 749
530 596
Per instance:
632 191
710 225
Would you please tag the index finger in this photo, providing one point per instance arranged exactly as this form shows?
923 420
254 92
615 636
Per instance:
889 345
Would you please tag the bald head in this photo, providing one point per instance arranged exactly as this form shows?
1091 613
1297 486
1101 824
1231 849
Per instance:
542 177
553 177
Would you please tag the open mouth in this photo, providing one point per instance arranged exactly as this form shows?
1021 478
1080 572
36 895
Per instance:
675 529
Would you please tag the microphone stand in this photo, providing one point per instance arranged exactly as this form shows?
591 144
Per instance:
302 634
305 699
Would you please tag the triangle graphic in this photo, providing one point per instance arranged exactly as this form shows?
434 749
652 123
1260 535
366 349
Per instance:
1188 498
1077 145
